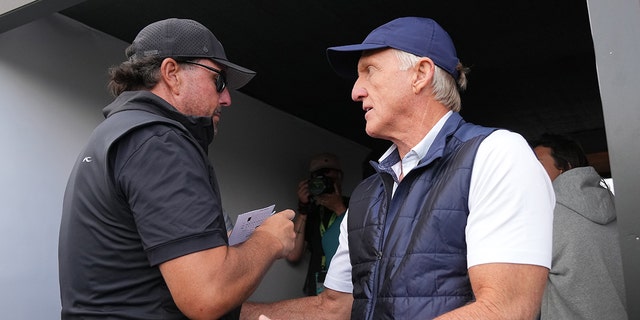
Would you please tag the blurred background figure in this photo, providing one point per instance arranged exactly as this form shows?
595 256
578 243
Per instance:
586 280
321 207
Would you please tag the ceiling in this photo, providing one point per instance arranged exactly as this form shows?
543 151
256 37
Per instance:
532 61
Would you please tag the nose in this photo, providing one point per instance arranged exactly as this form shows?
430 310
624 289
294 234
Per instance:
358 92
224 98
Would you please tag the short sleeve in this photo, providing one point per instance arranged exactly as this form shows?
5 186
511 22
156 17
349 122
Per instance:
338 276
511 203
167 184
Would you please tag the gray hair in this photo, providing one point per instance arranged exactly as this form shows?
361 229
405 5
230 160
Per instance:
445 88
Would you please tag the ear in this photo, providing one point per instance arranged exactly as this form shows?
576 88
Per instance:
170 76
423 75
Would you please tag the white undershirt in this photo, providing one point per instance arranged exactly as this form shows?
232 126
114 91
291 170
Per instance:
511 203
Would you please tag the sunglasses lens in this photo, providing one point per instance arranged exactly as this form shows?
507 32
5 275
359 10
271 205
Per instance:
221 83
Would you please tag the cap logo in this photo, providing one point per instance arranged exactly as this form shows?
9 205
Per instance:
205 49
151 53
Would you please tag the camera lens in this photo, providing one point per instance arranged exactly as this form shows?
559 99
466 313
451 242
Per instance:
320 185
317 185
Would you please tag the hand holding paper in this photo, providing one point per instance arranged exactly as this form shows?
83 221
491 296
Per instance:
247 223
278 225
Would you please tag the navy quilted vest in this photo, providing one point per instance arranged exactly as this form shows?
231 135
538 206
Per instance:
409 252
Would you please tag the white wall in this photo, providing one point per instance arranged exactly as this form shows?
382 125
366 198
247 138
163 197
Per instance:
617 47
52 90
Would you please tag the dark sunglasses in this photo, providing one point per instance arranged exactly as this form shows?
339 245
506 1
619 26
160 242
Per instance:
221 82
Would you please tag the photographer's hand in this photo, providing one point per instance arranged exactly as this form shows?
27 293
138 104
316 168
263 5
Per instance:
332 201
303 191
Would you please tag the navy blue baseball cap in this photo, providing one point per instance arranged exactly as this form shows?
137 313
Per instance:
420 36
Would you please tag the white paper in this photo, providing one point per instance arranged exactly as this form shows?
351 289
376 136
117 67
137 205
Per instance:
247 223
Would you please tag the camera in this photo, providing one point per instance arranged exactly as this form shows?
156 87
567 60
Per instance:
320 184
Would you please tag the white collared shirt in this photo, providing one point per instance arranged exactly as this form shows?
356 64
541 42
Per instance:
413 157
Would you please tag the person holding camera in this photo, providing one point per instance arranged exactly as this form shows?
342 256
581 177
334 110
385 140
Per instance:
321 207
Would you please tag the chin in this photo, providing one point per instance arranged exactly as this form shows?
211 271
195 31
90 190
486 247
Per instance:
371 133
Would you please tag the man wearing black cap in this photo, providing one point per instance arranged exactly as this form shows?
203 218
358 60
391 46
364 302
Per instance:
456 222
142 234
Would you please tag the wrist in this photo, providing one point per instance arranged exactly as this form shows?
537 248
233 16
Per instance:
300 224
267 242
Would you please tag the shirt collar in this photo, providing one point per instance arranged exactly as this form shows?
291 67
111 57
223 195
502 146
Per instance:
391 158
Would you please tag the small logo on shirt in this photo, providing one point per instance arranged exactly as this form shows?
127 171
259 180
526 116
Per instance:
87 159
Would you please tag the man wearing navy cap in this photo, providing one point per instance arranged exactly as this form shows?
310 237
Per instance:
143 234
456 222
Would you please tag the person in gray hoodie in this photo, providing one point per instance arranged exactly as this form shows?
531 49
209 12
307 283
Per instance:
586 279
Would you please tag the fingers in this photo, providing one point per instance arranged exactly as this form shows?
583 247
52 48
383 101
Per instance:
281 227
289 241
288 214
303 191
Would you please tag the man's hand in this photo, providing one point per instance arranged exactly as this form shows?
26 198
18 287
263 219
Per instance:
329 304
303 191
280 226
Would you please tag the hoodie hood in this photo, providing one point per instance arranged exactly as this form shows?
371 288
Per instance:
201 128
579 190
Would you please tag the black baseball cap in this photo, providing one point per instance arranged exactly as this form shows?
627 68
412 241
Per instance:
184 38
